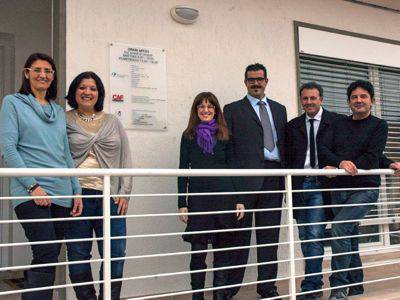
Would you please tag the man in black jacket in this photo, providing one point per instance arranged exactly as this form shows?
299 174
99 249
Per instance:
357 142
303 138
257 127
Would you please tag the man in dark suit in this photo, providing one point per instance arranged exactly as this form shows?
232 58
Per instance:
257 125
304 136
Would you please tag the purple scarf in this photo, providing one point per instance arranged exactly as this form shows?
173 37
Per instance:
205 133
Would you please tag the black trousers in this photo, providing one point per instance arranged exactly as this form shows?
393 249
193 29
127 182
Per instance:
42 253
221 259
264 236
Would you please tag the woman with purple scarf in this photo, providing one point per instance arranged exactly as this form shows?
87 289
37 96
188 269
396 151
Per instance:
204 146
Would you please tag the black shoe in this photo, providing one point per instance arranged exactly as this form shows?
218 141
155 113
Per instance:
356 290
231 293
338 294
220 296
198 296
197 282
310 296
270 294
116 289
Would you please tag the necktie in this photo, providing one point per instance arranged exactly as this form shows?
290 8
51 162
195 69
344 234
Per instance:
312 143
266 125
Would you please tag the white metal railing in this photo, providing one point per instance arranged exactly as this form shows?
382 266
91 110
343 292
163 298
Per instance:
288 207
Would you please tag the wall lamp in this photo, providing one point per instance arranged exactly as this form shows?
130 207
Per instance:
183 14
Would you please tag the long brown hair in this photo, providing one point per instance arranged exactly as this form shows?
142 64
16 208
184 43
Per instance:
194 120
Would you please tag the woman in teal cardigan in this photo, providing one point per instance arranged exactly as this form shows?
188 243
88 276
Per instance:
33 135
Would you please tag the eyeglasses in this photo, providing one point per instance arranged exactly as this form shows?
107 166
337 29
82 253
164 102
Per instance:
312 98
38 71
203 107
253 80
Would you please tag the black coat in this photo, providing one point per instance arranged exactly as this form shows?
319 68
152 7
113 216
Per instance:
246 148
296 150
297 141
193 157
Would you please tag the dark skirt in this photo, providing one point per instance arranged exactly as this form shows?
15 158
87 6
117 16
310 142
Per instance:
210 221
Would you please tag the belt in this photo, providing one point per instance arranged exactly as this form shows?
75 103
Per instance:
311 179
272 164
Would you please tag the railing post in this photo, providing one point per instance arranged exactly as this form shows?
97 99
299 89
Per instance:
106 239
292 266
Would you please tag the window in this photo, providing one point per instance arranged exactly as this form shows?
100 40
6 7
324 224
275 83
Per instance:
335 75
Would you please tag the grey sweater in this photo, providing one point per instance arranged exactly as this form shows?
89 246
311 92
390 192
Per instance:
110 145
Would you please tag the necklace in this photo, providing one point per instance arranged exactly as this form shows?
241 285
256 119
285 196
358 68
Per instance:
84 117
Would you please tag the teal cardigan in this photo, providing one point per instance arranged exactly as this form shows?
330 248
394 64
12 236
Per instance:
34 136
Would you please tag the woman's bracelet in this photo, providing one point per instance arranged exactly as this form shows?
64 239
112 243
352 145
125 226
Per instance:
32 187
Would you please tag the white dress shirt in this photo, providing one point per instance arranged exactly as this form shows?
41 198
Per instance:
268 155
317 118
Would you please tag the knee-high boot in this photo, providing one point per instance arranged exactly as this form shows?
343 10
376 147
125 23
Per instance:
197 282
84 292
221 276
115 291
198 262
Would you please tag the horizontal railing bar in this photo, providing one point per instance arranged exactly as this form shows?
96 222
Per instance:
64 263
237 229
330 255
349 285
141 277
204 194
128 216
217 212
238 266
249 265
200 270
253 283
157 255
180 233
20 291
183 233
200 251
200 232
49 242
339 222
343 237
16 172
371 265
213 250
144 195
214 288
49 220
199 213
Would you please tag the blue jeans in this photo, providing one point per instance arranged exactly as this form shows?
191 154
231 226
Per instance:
311 249
347 229
84 229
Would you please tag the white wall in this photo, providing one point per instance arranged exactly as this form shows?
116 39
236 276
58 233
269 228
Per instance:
208 55
30 22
